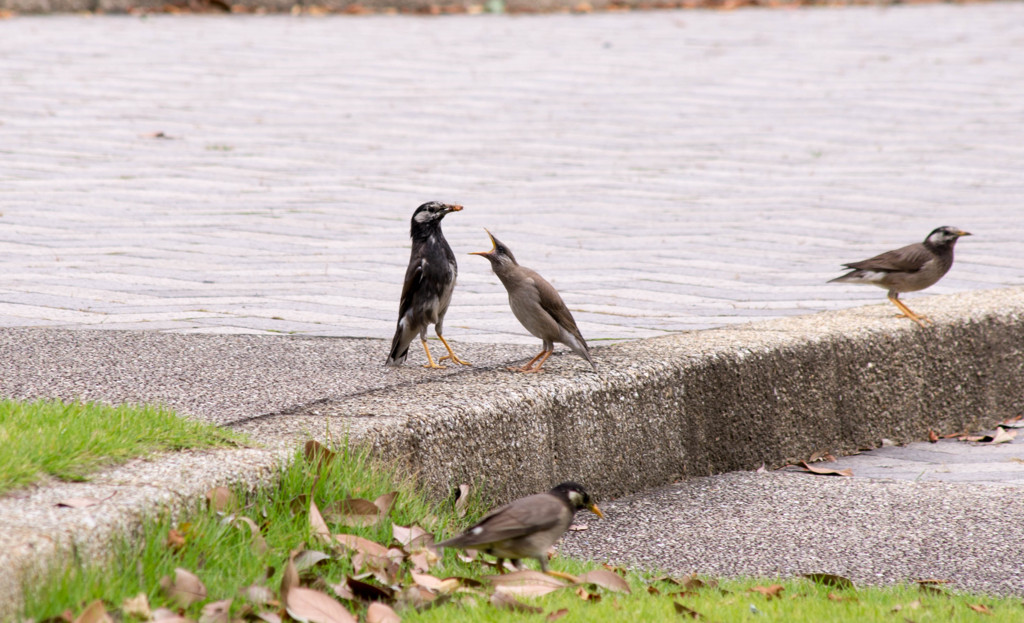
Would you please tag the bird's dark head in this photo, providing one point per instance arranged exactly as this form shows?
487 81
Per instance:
429 215
499 254
944 236
576 496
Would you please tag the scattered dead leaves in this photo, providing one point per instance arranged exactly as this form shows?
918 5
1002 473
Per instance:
1001 435
773 591
822 471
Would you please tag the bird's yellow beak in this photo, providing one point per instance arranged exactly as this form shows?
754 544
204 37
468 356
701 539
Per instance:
493 245
597 511
963 233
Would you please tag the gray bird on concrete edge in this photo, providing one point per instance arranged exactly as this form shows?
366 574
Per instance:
537 305
908 269
429 283
527 527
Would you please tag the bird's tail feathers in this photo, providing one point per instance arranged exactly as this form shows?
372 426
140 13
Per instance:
399 348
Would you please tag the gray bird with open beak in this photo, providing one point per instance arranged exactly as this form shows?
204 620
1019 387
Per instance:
908 269
537 305
527 527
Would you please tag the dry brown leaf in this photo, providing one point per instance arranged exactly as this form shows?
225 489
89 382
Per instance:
369 592
933 437
427 581
821 471
605 579
355 512
684 611
557 614
309 606
586 595
653 590
216 612
931 589
175 540
769 592
269 617
507 602
420 562
381 613
137 606
221 499
166 615
385 502
318 454
259 544
94 613
258 595
828 579
839 598
980 608
1003 436
184 589
309 558
461 500
317 523
359 544
290 577
526 576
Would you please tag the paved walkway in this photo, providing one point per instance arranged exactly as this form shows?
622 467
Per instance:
666 170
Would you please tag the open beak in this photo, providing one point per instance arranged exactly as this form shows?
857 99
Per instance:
493 246
597 511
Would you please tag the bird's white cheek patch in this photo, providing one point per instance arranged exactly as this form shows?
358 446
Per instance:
575 498
424 216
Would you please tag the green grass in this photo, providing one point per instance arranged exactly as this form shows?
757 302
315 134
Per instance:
224 557
68 441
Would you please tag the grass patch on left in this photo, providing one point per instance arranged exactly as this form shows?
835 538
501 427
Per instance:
70 440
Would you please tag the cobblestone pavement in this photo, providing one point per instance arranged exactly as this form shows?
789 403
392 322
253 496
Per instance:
665 170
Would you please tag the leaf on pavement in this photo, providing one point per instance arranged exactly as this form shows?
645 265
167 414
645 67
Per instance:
310 606
821 471
933 437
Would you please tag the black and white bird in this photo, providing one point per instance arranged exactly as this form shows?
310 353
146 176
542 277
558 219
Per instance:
429 282
527 527
537 305
908 269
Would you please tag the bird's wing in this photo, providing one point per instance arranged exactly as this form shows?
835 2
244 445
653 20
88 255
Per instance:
906 259
553 304
412 285
525 516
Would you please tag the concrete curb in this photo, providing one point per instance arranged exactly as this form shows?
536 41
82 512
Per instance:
662 409
701 403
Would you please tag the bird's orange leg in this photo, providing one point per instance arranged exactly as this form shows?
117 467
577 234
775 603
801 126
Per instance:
540 364
429 358
529 364
451 353
921 320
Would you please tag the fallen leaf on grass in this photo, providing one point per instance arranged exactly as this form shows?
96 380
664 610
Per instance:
586 595
461 499
269 617
259 544
216 612
309 606
507 602
557 614
684 611
308 558
359 544
258 595
412 537
980 608
526 583
821 471
385 502
165 615
369 592
137 606
318 454
94 613
841 598
290 577
317 523
605 579
769 592
221 499
184 589
354 512
828 579
914 605
175 540
381 613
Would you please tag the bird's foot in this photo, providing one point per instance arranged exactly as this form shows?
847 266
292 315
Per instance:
923 321
455 359
524 369
434 366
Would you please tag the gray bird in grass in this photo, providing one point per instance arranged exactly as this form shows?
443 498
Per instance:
428 286
537 305
527 527
908 269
